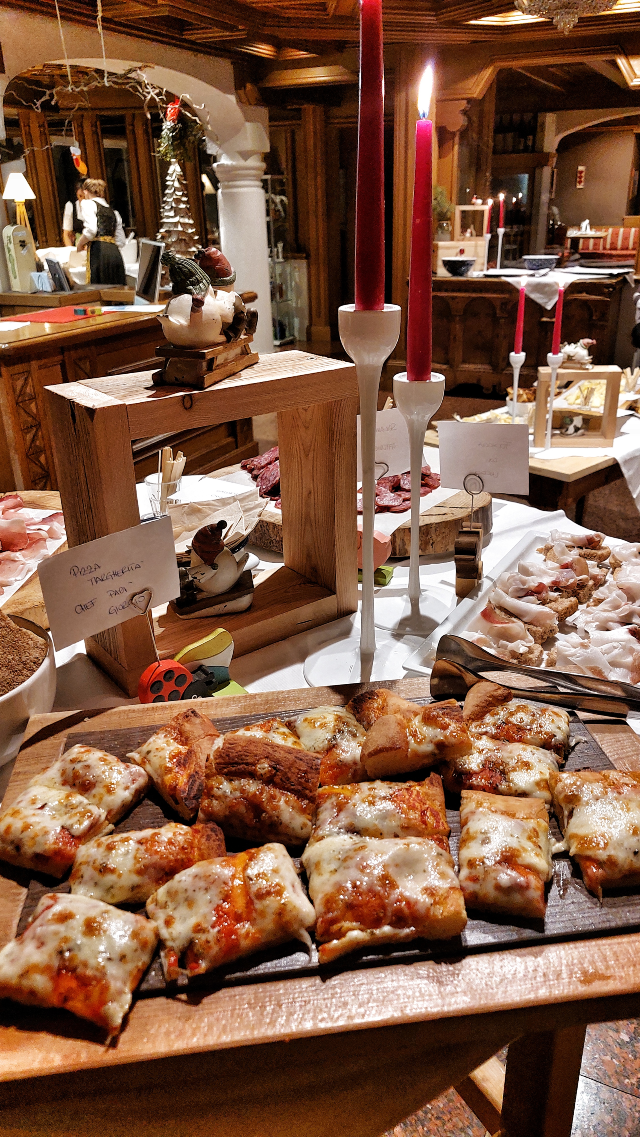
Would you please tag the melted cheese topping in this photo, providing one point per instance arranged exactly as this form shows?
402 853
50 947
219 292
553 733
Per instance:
229 907
546 727
44 826
504 861
379 809
433 735
160 755
104 780
513 769
79 954
336 734
274 730
601 820
129 867
376 889
253 810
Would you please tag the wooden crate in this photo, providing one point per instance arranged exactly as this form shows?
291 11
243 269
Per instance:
601 429
93 423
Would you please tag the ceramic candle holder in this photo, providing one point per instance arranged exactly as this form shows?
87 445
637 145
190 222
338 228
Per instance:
500 236
487 242
553 362
516 359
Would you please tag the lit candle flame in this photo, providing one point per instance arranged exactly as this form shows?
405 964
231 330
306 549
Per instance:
425 92
489 201
501 197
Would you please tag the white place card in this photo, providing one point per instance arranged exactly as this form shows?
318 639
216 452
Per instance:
104 583
497 452
392 444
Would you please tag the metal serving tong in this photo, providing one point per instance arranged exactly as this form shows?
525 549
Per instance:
460 664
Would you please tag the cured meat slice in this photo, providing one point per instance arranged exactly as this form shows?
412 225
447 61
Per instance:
255 465
269 480
389 482
385 501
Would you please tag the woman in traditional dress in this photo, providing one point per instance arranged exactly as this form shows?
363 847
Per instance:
103 234
72 223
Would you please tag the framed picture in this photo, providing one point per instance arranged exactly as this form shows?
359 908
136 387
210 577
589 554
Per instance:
58 276
580 176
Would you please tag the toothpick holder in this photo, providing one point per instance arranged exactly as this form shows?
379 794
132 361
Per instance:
500 236
487 242
417 403
553 362
368 339
516 359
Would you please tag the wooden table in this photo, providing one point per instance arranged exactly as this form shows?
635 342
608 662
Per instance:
39 355
353 1053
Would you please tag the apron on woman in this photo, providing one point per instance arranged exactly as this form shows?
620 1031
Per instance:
104 260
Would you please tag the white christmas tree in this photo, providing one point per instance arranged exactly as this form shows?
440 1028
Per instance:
177 228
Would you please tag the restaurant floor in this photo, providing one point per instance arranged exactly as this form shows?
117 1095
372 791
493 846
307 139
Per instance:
607 1105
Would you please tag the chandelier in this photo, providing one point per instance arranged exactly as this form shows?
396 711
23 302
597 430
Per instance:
564 13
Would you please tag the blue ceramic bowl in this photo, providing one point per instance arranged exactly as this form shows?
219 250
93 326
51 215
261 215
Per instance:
458 266
536 261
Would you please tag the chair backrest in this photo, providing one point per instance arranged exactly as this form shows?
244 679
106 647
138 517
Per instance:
632 222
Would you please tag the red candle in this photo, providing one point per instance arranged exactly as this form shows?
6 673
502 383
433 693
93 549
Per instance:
501 216
419 318
517 343
490 204
557 326
369 266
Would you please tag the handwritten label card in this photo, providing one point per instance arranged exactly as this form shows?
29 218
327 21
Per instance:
392 444
496 452
105 582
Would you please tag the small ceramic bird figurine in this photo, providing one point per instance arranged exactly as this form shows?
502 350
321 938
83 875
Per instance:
214 568
197 315
577 353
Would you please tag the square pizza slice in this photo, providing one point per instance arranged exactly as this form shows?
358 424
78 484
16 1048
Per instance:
510 768
174 758
45 827
400 743
369 891
228 907
105 781
383 809
274 730
535 725
505 854
258 790
126 868
335 734
599 814
79 954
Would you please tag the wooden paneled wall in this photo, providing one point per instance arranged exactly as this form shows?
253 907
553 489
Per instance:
88 133
191 171
145 188
311 163
41 177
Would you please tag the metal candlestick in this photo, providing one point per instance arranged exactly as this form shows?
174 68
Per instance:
554 362
516 359
500 236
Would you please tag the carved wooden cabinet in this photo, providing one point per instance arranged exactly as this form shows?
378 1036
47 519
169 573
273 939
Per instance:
474 325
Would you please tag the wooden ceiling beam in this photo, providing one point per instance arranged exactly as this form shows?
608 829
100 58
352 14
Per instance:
609 71
538 79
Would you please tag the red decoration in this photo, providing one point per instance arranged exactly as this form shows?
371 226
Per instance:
369 265
173 110
419 320
517 344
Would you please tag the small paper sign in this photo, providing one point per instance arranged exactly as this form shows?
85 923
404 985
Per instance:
392 444
105 582
497 453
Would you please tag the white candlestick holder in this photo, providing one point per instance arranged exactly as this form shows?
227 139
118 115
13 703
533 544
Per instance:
414 613
487 242
500 236
516 359
553 362
368 338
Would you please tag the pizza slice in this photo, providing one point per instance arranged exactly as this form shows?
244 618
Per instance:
174 758
383 809
126 868
505 854
400 743
105 781
79 954
272 729
369 891
258 790
45 827
228 907
510 768
546 727
369 706
335 734
599 814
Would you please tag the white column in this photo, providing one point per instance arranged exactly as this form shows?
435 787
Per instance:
243 236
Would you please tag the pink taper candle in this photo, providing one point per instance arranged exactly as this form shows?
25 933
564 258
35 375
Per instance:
419 318
501 214
490 204
369 266
517 343
557 326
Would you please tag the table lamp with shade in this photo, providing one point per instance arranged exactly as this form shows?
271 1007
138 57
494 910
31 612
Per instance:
18 239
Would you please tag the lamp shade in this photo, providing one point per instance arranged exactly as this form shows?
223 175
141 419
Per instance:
18 188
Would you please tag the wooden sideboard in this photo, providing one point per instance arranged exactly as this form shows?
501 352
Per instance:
43 355
474 323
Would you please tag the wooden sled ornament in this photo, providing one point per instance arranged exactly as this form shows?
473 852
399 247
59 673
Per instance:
200 368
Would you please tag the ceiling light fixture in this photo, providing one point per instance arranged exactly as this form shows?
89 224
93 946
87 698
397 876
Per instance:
564 13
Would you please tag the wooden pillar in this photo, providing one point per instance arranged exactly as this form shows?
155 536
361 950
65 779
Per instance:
312 159
191 171
145 189
41 177
541 1083
486 123
408 70
86 127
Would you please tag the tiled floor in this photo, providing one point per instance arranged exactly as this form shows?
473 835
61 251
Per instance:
608 1102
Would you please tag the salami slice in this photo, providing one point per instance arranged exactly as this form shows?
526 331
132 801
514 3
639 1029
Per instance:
388 483
405 482
432 481
255 465
359 505
425 470
388 500
269 480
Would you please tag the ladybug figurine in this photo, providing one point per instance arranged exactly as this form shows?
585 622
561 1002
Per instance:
163 682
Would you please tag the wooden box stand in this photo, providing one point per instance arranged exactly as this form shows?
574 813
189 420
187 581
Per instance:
190 367
93 426
601 425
